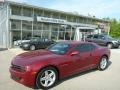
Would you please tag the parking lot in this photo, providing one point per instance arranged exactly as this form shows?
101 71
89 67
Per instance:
91 80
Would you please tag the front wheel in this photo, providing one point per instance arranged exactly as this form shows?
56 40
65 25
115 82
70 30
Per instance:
110 45
46 78
118 46
32 47
103 63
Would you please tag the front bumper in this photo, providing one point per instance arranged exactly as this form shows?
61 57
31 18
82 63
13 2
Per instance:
116 45
25 48
25 78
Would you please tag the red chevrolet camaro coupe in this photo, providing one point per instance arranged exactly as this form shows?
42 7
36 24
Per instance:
43 68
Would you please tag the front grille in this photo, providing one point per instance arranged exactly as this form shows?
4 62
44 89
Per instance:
17 68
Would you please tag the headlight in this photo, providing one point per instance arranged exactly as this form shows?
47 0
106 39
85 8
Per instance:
19 68
25 69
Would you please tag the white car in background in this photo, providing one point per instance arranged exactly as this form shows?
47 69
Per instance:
19 42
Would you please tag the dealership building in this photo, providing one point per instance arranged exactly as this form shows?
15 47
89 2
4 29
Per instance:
19 21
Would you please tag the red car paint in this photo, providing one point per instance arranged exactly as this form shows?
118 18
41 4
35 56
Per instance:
28 64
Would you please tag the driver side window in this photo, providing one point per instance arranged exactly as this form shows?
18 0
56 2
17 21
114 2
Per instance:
85 48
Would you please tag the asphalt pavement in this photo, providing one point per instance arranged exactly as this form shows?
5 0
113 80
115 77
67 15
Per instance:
90 80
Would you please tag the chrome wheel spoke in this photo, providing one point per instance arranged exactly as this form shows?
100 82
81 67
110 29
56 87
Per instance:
46 73
43 79
46 83
51 74
103 63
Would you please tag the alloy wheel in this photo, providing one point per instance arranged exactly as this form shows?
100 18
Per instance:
47 78
32 47
103 63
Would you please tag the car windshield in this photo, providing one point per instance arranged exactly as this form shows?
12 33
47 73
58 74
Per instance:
59 48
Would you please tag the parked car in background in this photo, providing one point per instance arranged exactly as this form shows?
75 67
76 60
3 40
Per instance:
104 40
36 43
19 42
43 68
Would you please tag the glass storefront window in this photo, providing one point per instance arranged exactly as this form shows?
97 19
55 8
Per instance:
16 35
15 25
46 34
68 33
46 26
26 25
37 26
26 35
73 34
37 33
54 32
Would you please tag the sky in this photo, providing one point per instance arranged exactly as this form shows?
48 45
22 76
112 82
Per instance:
97 8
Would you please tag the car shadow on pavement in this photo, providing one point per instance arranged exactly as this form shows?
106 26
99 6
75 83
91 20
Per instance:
80 74
76 75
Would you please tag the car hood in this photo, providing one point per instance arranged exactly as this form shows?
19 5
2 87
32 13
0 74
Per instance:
29 58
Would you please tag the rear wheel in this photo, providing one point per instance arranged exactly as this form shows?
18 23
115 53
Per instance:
103 63
118 46
46 78
32 47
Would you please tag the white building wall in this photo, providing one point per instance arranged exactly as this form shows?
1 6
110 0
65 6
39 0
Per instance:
3 26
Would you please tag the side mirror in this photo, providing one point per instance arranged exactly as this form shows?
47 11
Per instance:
74 53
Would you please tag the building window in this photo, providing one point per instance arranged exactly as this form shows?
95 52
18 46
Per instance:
75 19
15 24
37 33
27 25
81 20
47 14
15 10
46 26
37 26
70 18
54 32
56 15
38 12
27 12
62 16
61 33
26 35
16 35
46 34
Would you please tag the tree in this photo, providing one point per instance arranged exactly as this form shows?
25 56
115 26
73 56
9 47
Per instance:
114 27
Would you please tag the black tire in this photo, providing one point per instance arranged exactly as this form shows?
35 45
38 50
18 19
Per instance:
118 46
110 45
39 82
32 47
104 65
